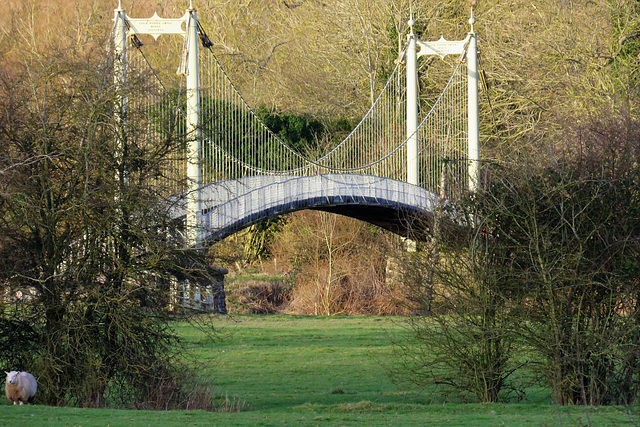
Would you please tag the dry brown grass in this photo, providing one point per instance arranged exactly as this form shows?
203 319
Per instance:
345 297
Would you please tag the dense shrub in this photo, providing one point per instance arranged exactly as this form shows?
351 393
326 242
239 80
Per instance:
261 298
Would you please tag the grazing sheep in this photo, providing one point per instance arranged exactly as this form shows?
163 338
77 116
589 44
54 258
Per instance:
20 386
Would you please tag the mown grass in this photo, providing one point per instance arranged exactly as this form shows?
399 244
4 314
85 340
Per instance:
301 370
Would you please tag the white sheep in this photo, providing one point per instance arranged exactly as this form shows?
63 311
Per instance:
20 386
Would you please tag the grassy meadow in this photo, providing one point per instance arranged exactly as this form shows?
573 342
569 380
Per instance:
303 370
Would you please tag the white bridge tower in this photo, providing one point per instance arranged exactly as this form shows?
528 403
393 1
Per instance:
442 48
155 26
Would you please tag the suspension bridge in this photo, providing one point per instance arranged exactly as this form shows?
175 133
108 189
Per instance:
390 169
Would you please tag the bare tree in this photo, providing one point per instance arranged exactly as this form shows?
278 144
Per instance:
83 249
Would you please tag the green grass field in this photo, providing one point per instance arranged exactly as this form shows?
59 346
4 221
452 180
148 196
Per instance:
300 370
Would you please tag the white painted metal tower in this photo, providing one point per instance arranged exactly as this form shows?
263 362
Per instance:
126 27
442 48
194 134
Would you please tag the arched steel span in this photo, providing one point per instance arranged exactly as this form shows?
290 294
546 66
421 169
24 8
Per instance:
229 206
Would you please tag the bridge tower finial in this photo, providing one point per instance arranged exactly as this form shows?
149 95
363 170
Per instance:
472 19
411 22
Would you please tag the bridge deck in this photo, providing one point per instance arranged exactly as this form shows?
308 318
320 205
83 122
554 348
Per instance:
229 206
